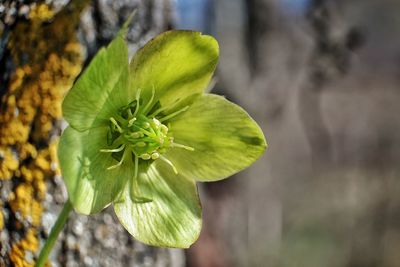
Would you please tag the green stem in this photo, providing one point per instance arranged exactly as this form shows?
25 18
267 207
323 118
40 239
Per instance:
55 231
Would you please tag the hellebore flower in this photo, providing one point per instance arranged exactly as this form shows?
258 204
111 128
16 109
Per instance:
142 133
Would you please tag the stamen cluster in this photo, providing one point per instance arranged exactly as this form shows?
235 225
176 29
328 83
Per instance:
141 137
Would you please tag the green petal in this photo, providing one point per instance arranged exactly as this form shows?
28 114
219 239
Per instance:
90 186
101 89
172 217
224 137
177 64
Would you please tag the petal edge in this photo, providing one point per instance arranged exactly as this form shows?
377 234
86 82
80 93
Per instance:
171 219
225 139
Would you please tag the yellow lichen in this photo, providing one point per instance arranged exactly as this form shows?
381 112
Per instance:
1 220
8 163
48 58
24 201
17 256
41 12
28 243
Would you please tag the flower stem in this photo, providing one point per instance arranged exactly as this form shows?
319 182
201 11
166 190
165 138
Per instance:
55 231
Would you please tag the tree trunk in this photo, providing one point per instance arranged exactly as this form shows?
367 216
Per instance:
41 55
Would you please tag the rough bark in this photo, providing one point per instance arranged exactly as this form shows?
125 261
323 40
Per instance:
41 56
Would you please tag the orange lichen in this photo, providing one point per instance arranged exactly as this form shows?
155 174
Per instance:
48 58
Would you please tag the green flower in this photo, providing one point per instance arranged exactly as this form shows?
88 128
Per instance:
142 133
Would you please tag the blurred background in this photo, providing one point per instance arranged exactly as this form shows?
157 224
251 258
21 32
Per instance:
320 76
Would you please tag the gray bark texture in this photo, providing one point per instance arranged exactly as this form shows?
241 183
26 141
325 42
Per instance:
26 212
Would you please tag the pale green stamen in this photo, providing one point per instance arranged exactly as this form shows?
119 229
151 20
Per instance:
136 167
143 136
146 132
137 102
155 155
169 163
164 129
145 156
131 121
119 163
158 111
136 135
115 123
153 92
162 109
182 146
140 144
157 123
170 116
113 150
130 113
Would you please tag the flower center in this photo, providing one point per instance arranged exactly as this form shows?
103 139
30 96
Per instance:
135 135
146 138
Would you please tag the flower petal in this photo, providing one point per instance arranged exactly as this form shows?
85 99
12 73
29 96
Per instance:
91 187
224 137
177 64
171 217
101 89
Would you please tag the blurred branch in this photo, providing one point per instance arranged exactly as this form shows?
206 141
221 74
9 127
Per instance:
259 14
329 59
